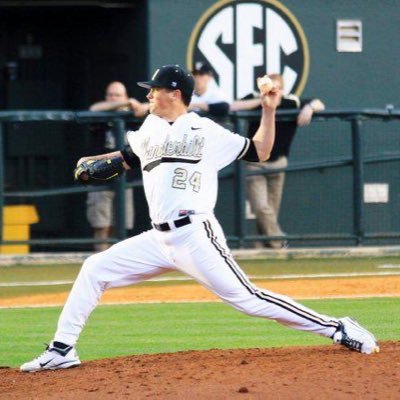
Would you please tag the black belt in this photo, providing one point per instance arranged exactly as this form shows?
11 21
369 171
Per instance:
166 226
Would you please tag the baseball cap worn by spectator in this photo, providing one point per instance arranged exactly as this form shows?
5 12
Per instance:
171 77
202 68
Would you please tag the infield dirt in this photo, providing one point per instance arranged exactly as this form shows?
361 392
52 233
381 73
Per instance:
296 288
320 372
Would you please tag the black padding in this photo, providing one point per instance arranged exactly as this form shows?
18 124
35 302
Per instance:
130 157
251 153
219 109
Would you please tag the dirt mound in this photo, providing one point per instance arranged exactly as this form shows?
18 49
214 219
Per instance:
323 372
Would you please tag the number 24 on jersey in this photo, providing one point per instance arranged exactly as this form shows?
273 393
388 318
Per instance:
181 179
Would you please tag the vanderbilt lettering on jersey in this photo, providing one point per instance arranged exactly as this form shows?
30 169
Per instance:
185 151
181 162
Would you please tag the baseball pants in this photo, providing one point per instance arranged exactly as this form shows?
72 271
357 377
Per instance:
198 250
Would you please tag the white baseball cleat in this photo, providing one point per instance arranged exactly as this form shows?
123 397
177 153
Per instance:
53 358
355 337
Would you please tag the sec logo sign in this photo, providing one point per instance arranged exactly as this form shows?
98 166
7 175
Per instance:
244 39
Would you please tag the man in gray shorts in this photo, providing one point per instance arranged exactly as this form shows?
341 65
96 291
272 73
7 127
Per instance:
100 214
100 205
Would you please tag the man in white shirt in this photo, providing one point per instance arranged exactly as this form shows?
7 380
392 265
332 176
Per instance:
207 96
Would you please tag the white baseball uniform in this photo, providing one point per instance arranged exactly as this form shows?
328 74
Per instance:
180 164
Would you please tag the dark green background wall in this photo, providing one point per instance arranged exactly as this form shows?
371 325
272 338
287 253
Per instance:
366 79
86 47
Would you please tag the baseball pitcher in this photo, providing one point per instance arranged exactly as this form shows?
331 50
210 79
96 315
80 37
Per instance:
180 154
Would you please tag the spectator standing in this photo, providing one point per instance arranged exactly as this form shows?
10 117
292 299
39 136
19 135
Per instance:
100 205
265 191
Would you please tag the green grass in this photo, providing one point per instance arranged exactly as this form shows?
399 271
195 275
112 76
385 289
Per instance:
34 273
154 328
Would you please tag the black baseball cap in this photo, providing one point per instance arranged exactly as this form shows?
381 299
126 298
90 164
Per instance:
171 77
202 68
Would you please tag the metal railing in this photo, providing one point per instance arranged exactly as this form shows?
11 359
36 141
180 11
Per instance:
118 120
355 118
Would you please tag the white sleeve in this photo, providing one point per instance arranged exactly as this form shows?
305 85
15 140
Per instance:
133 140
228 146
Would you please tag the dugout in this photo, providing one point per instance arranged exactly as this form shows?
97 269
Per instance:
60 56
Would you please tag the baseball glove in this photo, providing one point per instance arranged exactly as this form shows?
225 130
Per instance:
98 171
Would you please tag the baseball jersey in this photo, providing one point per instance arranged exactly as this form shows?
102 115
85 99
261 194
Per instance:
180 163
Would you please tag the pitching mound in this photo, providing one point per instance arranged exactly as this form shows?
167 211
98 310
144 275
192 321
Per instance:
323 372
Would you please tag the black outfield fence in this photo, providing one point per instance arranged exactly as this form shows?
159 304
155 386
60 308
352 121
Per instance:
333 162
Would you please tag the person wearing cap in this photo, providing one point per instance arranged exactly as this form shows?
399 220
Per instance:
180 154
207 97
